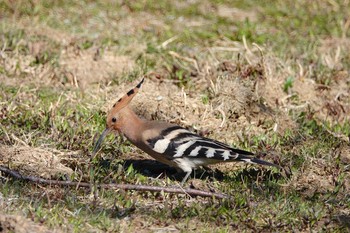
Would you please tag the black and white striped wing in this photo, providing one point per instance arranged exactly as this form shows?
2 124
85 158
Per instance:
176 142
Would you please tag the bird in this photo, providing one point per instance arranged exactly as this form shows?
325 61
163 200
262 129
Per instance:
169 143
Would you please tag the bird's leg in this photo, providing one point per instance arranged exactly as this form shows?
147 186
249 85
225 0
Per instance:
185 178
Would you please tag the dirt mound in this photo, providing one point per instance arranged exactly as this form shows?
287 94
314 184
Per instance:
19 224
33 161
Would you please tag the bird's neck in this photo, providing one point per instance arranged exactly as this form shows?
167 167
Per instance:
131 124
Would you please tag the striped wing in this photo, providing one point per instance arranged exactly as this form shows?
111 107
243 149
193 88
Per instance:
177 142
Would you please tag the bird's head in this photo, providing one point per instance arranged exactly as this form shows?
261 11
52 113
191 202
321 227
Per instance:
115 115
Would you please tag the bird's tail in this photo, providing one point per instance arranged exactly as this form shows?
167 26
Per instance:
253 160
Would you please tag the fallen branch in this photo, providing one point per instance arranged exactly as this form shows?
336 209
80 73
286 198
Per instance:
177 190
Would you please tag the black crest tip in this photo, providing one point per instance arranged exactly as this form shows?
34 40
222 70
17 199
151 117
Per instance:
140 83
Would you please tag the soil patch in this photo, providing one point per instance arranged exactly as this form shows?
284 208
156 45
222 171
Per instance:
34 161
19 224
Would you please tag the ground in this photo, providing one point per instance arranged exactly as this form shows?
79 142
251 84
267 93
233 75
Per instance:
272 78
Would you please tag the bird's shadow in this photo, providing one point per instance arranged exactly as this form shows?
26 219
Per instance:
155 169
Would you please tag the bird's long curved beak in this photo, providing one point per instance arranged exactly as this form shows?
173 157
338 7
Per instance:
100 140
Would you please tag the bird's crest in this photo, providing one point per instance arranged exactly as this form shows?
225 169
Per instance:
125 100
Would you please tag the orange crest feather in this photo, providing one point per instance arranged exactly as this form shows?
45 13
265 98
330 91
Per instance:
125 100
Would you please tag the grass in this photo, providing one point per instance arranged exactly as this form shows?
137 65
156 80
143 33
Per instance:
302 59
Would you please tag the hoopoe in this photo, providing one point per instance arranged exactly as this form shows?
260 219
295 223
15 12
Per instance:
169 143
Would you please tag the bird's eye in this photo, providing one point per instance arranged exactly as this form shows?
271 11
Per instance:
114 119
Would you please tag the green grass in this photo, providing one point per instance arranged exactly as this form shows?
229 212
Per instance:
58 115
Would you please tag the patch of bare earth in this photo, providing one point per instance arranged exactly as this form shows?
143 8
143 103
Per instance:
19 224
329 102
76 66
34 161
85 67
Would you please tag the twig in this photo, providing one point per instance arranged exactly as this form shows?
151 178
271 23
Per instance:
165 43
223 116
144 188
